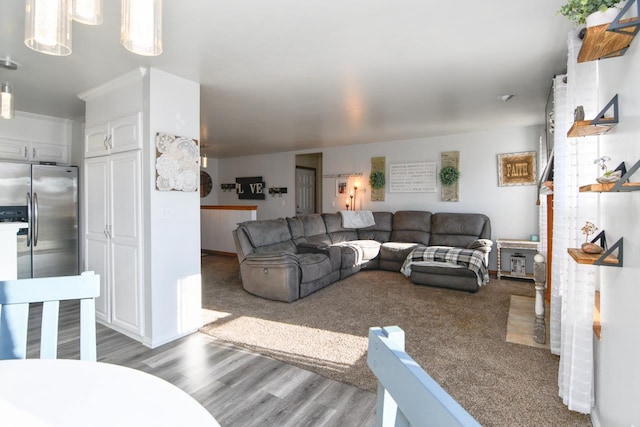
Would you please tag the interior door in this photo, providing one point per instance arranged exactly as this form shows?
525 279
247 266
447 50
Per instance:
305 190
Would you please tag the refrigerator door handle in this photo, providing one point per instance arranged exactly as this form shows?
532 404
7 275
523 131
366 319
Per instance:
25 152
28 219
35 219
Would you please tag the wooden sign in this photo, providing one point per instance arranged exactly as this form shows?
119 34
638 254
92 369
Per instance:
450 193
413 177
378 164
517 169
251 188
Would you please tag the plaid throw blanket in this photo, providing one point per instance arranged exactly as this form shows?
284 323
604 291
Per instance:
468 258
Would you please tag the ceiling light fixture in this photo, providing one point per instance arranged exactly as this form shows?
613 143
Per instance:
141 27
6 101
48 26
204 161
87 11
506 97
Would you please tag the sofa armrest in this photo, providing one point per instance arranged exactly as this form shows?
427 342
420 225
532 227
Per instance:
311 247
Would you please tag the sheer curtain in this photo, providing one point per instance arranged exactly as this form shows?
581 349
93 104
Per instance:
573 289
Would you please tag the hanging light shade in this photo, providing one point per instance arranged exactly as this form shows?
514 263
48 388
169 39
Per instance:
6 101
87 11
48 26
141 26
204 161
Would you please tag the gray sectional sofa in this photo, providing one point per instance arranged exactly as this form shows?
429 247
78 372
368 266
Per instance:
286 259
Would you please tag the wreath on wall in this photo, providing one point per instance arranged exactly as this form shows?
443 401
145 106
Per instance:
449 175
376 179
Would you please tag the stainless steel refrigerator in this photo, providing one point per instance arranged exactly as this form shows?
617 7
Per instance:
46 197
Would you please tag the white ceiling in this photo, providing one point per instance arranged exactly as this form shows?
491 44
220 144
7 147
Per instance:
294 74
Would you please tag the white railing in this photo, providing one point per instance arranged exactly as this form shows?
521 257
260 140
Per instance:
407 395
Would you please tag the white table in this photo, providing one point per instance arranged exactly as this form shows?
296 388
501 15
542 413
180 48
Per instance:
36 392
523 245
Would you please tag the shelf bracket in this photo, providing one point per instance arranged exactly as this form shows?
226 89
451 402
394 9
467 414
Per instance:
617 245
601 119
629 27
625 178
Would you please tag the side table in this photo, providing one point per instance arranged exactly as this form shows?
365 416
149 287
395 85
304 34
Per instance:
524 245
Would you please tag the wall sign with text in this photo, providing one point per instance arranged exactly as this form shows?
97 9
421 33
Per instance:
251 188
517 169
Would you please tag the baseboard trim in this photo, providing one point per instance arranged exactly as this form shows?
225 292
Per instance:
221 253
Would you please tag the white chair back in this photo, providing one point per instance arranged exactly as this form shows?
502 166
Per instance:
15 297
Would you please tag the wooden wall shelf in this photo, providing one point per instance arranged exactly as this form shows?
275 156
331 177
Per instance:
585 128
605 259
599 125
615 187
610 40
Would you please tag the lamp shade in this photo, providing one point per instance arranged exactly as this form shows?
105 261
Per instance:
204 161
141 26
87 11
6 101
48 26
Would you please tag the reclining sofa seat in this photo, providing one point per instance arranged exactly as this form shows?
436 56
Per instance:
272 267
285 259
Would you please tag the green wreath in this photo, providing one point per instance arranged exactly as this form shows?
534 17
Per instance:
376 179
449 175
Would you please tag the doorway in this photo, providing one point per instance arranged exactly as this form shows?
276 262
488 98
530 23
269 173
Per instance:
308 187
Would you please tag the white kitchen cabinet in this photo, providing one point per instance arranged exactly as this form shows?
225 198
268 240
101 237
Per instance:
115 136
113 238
30 151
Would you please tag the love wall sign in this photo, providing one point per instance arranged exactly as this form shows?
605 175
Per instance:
251 188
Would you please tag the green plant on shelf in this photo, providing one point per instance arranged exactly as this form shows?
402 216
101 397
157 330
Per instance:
576 11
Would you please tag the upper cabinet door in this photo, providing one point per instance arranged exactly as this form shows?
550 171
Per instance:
95 141
125 134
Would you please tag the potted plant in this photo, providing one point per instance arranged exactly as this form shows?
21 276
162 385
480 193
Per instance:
376 179
577 11
449 175
589 247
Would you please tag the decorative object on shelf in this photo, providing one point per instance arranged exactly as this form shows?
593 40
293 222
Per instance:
277 190
588 247
518 264
378 166
517 169
449 176
577 11
578 113
250 188
177 161
598 126
607 175
622 185
48 24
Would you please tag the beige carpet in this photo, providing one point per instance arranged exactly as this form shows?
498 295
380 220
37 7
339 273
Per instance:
457 337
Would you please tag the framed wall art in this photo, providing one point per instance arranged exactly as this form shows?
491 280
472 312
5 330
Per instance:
342 187
177 163
517 169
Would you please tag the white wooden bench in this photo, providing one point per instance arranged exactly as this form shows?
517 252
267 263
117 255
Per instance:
407 395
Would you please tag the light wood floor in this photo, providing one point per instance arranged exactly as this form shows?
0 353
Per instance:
238 387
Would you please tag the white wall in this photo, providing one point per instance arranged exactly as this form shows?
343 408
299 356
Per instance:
512 210
617 370
173 246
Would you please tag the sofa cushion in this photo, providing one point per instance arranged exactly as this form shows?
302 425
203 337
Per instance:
381 231
411 227
296 228
313 266
337 234
458 229
396 251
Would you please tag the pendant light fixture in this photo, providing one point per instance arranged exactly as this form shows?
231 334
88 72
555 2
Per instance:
48 26
204 161
141 26
6 101
7 109
87 11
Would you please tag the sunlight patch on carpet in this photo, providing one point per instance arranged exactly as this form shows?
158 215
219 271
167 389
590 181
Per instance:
522 320
334 350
